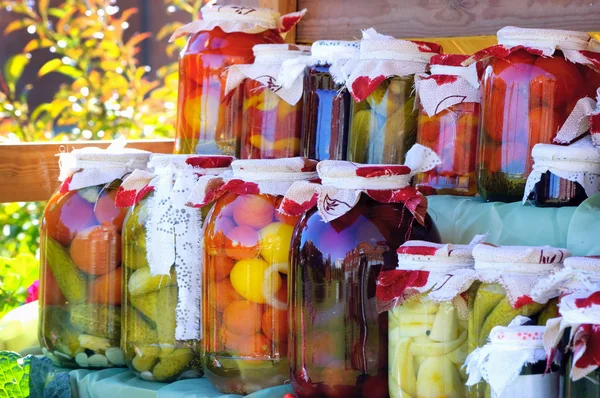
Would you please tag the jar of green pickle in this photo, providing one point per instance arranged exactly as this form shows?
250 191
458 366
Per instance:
383 118
507 275
427 297
162 272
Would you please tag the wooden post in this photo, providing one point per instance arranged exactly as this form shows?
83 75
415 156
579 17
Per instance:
283 7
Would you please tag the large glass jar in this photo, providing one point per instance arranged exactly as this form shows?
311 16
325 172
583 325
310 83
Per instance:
589 386
208 121
447 123
162 261
383 121
247 246
326 117
526 98
80 257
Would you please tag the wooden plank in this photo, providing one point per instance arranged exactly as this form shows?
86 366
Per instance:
282 7
343 19
29 171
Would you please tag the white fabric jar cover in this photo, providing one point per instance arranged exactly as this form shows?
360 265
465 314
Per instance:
578 274
517 268
441 271
240 19
501 361
267 69
448 84
382 57
342 184
578 162
584 117
174 231
91 166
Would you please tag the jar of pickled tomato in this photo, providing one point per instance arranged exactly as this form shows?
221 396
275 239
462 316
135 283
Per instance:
513 363
349 232
447 123
563 175
531 83
507 275
245 283
383 121
208 121
80 259
162 273
326 118
427 299
272 111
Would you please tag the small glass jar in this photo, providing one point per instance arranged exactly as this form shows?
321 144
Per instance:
326 116
80 257
563 175
526 97
162 269
383 121
208 120
447 123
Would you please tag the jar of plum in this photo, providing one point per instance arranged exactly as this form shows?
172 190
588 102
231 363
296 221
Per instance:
272 111
531 83
427 299
80 258
247 245
361 215
447 123
508 275
563 175
208 121
162 258
383 121
326 118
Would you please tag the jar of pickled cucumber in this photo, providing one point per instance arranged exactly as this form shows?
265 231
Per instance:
532 81
427 299
272 111
80 259
513 363
508 275
208 121
162 273
383 120
245 282
447 123
326 117
349 232
563 175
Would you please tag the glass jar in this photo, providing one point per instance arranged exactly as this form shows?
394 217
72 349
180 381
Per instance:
247 246
383 119
80 258
526 98
208 120
448 123
162 262
589 386
326 117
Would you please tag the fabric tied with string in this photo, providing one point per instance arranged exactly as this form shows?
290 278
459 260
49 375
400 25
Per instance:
382 57
343 183
501 361
580 311
579 162
231 18
174 231
449 84
441 272
91 166
268 70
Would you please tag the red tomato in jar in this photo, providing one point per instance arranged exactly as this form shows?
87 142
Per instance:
50 293
106 211
591 81
428 128
514 68
97 250
66 215
554 82
544 123
106 289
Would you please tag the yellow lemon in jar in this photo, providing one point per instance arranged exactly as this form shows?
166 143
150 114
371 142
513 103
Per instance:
254 279
274 241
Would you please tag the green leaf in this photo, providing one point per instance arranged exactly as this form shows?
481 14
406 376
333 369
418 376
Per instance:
31 377
13 68
16 275
56 12
69 70
14 375
50 66
18 24
43 6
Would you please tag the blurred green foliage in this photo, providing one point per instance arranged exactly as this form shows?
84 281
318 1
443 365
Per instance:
108 94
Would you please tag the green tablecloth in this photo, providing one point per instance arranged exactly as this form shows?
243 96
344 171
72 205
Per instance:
458 219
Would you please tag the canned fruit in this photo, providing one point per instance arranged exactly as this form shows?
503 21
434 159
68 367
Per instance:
275 240
242 243
243 318
250 277
274 324
255 211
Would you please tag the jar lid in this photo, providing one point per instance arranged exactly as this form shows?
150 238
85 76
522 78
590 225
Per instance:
398 50
545 38
286 169
277 53
449 59
521 259
220 162
331 50
523 336
240 13
588 263
422 255
582 151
